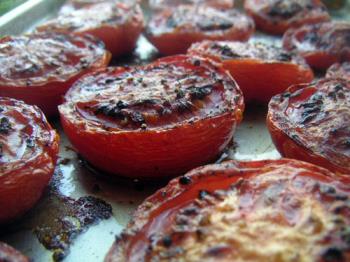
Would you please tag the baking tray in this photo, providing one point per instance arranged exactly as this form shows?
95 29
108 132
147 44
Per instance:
75 179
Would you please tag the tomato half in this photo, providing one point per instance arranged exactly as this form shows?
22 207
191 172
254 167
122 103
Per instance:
173 31
82 3
311 122
157 120
276 16
9 254
118 25
261 70
28 154
274 210
339 71
321 45
39 68
163 4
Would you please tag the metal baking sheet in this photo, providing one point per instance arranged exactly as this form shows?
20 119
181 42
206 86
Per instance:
251 142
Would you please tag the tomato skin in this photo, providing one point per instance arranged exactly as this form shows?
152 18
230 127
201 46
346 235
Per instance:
108 21
321 44
173 31
274 70
163 4
167 220
339 71
274 19
54 70
9 254
164 145
299 131
28 157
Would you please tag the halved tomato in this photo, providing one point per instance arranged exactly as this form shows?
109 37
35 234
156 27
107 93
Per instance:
261 70
273 210
118 25
311 122
39 68
163 4
321 45
82 3
9 254
173 31
157 120
276 16
339 71
28 154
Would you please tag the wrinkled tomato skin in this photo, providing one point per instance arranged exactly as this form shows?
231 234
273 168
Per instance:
154 152
322 45
47 89
278 25
300 144
140 240
9 254
23 178
339 71
174 39
274 70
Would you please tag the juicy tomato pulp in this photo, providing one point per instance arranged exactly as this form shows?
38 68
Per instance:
173 31
28 154
312 123
274 210
163 4
157 120
118 25
276 16
39 68
8 253
339 71
321 45
260 70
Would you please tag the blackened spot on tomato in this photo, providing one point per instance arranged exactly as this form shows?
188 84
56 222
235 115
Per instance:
190 211
197 63
137 117
201 91
121 104
5 125
183 105
333 254
179 93
109 80
312 37
309 114
148 101
285 57
185 180
327 190
167 241
202 194
214 24
285 9
30 142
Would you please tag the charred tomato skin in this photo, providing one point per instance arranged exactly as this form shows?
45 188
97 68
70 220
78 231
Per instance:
29 150
57 61
163 4
321 44
118 25
9 254
311 122
339 70
274 69
173 31
276 17
158 120
244 195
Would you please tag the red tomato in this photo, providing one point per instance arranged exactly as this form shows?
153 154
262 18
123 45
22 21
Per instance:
116 24
157 120
173 31
9 254
82 3
321 45
163 4
311 122
274 69
274 210
39 68
339 71
28 154
276 16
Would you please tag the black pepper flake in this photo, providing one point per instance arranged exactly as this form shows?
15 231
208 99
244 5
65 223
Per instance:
30 142
5 125
167 241
137 117
201 91
185 180
197 63
202 194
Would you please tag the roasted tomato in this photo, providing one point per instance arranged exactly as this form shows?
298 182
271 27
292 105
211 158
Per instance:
275 210
9 254
274 69
312 123
158 120
173 31
322 44
163 4
116 24
339 71
39 68
276 16
28 154
83 3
